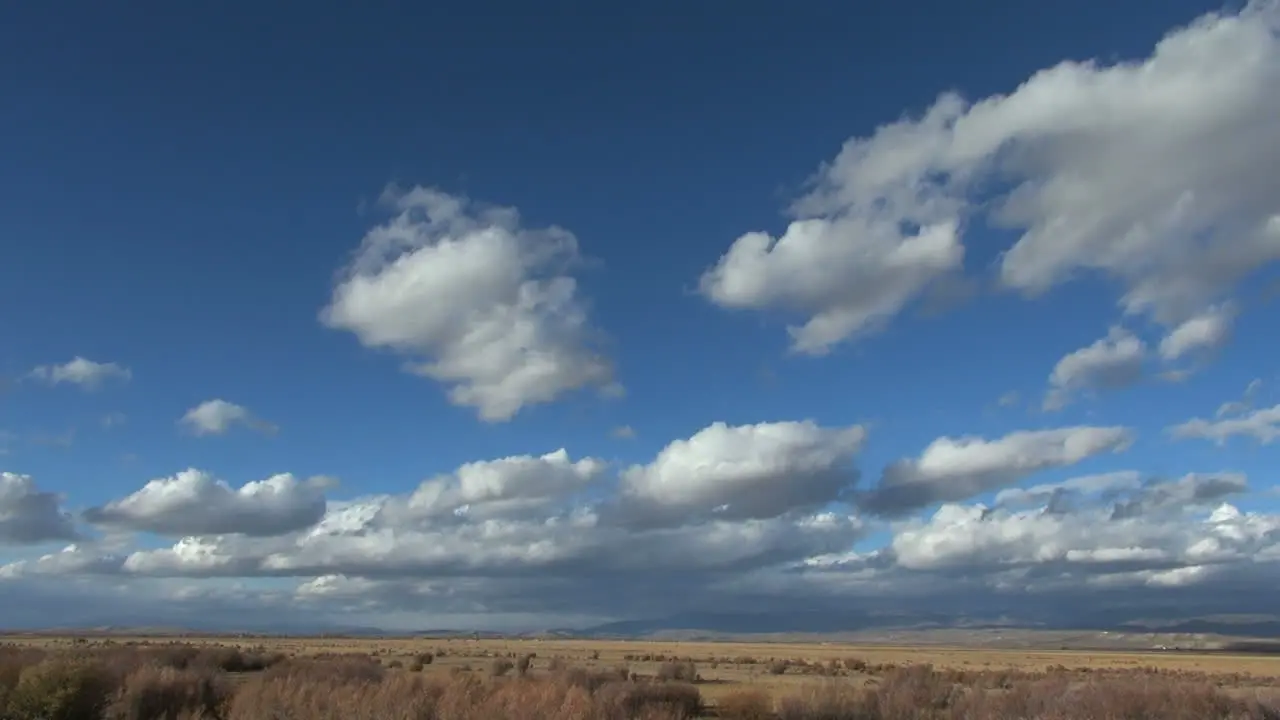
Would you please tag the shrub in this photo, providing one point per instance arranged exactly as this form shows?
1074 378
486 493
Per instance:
501 667
855 664
337 670
60 689
831 700
682 671
631 700
778 667
748 704
164 693
523 665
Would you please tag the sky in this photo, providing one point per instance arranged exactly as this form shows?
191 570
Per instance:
510 316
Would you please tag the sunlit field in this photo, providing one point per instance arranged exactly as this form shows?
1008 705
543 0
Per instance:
68 678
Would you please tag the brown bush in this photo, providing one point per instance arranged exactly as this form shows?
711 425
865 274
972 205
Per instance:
682 671
747 704
523 665
60 689
12 662
501 667
302 697
911 693
831 700
166 693
337 670
662 700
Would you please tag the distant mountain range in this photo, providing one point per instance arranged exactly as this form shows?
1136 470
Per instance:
761 626
739 624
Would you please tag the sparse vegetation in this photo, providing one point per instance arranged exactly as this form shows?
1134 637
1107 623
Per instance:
143 680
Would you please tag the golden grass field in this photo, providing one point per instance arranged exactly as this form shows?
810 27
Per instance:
725 667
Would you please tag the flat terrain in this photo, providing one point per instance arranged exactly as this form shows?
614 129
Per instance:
778 667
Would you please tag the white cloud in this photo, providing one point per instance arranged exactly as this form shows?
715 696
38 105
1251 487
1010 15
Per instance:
29 515
551 518
508 487
747 471
1111 362
847 271
1157 173
1262 425
1207 330
952 469
1190 489
194 502
1091 543
216 417
517 540
623 432
80 371
1047 493
485 306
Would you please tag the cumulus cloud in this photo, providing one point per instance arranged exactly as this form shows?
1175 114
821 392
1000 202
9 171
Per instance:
194 502
1112 362
30 515
508 487
1156 173
727 500
1190 489
1051 495
514 541
80 371
216 417
748 471
952 469
1095 544
480 303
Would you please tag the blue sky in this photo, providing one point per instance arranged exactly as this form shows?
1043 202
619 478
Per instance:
1018 247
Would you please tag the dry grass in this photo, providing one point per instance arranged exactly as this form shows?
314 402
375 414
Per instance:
298 679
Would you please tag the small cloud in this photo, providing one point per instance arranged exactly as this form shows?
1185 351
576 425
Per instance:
625 432
112 420
86 373
1111 362
216 417
61 440
1244 404
1009 399
613 391
1206 331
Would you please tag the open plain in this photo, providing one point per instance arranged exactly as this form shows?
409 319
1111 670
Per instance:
795 680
